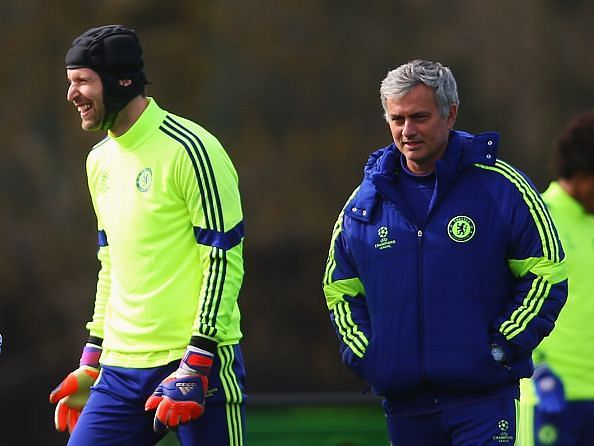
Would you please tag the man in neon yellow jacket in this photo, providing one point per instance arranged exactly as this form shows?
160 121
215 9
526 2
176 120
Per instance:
558 403
163 349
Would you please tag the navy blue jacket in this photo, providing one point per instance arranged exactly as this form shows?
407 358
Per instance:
416 309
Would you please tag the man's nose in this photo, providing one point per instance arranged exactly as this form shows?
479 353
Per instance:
71 93
409 128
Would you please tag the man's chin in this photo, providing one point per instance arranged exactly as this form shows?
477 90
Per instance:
89 126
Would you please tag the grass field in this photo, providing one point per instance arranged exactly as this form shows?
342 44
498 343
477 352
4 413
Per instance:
312 420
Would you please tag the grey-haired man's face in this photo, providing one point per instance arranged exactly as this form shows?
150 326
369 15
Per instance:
417 128
85 91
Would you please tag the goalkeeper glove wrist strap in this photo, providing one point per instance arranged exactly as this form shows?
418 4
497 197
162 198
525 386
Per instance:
90 355
196 360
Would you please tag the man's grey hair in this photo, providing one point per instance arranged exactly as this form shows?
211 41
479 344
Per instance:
401 80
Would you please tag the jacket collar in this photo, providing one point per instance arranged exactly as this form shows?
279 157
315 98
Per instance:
142 129
464 150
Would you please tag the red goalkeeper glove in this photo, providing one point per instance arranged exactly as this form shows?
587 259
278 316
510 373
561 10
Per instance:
180 397
73 392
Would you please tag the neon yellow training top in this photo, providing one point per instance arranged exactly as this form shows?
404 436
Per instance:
170 224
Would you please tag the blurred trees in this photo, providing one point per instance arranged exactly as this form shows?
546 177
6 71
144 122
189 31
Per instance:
291 90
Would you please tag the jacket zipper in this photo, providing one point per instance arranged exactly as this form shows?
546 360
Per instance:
420 306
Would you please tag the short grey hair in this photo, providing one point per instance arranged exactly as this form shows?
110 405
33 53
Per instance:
401 80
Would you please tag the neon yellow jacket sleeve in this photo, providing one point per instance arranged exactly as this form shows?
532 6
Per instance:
209 184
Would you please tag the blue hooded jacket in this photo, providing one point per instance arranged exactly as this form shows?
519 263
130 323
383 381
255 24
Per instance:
417 308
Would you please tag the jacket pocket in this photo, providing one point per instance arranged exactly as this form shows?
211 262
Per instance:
391 368
467 369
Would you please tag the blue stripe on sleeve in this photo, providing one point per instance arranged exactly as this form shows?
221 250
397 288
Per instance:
222 240
102 238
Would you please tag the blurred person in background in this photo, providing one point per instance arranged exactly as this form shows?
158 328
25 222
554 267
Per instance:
558 402
444 272
163 349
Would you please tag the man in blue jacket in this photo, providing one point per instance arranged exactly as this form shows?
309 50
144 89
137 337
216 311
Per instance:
445 271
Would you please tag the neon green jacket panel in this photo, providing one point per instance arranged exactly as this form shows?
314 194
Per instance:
569 349
166 196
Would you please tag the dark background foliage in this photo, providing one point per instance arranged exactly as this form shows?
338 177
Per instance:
291 89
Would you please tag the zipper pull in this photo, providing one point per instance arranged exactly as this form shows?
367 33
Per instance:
419 233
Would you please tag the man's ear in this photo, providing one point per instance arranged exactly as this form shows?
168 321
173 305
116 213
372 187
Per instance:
451 119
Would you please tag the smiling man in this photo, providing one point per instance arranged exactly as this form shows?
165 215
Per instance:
163 349
444 272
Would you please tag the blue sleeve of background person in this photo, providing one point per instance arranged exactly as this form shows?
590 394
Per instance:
345 297
536 258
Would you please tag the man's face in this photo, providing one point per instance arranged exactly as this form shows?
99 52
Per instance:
86 93
418 130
